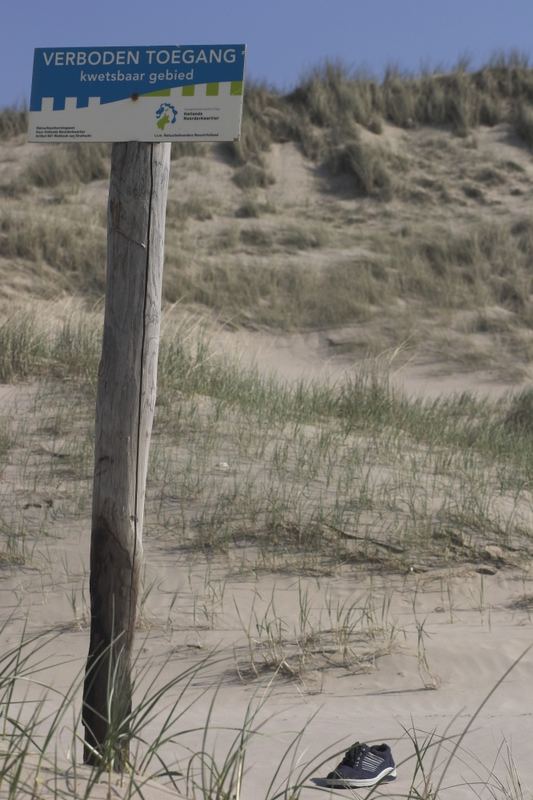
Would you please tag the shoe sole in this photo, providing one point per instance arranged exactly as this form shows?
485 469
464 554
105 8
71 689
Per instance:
355 783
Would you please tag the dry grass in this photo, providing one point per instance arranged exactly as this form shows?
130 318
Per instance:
365 231
365 167
13 121
73 248
72 163
304 477
252 176
487 265
332 98
523 123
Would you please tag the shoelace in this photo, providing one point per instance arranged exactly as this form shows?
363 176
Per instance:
353 755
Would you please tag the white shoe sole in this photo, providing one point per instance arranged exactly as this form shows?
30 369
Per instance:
357 783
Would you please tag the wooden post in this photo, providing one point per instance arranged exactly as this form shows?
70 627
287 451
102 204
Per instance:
124 414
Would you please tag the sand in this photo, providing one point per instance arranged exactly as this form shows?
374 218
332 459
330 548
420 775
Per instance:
442 641
472 635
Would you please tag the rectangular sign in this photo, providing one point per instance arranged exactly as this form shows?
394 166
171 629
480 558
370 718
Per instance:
144 94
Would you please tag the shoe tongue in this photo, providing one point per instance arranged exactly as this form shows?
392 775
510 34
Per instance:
354 752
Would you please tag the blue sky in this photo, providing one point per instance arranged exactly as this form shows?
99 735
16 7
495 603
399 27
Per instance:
284 37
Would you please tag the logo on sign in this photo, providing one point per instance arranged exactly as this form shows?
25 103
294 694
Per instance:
165 115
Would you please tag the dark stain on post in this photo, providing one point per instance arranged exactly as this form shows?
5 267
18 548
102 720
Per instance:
113 575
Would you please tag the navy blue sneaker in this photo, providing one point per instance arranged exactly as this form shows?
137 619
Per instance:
363 766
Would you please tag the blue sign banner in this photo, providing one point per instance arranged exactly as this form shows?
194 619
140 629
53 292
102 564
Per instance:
115 73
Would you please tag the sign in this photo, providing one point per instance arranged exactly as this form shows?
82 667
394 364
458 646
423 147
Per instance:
145 94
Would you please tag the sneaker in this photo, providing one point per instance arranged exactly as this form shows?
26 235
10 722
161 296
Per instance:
363 766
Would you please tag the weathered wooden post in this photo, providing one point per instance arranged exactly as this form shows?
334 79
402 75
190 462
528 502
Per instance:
124 413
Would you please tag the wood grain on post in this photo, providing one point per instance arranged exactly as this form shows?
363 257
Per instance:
124 413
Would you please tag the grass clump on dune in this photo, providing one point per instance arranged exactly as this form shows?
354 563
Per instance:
332 97
252 176
13 121
523 123
365 167
71 163
76 250
287 295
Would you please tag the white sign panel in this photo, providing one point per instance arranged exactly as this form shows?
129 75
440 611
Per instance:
146 94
